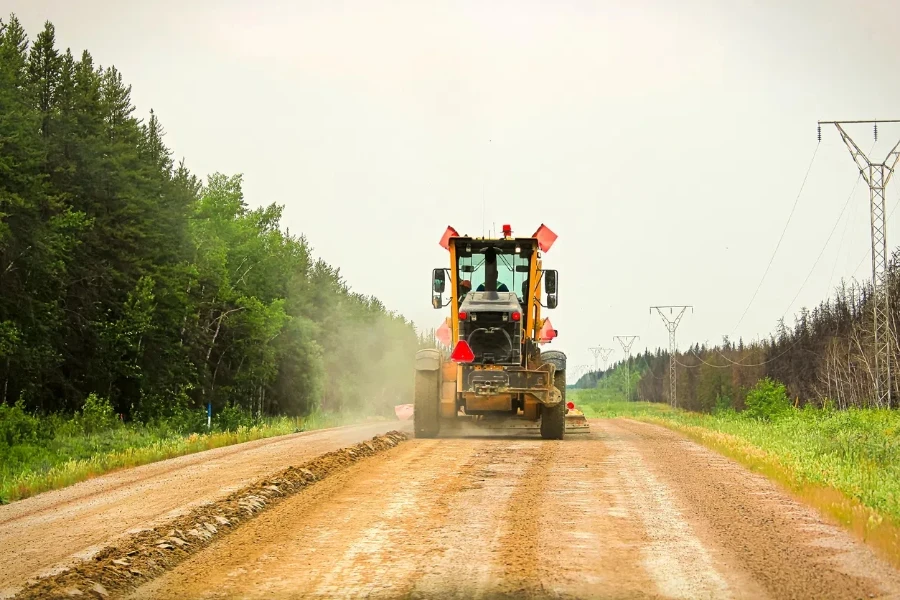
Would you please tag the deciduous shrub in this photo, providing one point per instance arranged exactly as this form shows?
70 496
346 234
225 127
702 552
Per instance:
767 400
18 427
96 415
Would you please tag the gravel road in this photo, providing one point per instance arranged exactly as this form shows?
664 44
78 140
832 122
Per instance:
630 511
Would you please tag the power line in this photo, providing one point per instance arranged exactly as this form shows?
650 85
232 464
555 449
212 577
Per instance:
787 310
822 251
780 239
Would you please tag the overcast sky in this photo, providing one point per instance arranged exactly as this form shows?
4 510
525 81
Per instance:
665 142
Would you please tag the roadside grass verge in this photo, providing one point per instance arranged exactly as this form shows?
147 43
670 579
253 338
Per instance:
845 463
68 456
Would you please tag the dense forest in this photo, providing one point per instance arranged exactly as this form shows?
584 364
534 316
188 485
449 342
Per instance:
826 357
125 275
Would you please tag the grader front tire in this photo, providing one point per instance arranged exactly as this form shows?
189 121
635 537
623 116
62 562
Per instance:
553 418
553 421
426 411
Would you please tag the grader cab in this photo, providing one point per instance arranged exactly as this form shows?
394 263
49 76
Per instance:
495 373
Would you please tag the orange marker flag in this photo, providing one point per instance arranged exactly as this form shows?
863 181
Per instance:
445 240
443 334
547 331
545 237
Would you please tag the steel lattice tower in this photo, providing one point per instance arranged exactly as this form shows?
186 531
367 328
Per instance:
626 341
877 176
672 325
600 353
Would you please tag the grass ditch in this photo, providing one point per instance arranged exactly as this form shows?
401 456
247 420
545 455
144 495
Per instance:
846 464
135 560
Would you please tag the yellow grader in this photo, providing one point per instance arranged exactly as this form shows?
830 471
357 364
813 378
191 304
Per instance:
496 374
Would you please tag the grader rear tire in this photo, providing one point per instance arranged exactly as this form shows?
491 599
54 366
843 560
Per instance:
553 418
426 411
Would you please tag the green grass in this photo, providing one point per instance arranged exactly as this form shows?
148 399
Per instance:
847 463
40 461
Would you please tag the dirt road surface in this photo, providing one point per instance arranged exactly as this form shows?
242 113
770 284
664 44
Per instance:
39 535
631 511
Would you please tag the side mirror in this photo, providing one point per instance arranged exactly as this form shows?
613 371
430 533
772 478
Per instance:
438 281
438 284
550 287
550 282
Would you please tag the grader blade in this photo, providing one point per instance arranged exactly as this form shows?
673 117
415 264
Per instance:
576 422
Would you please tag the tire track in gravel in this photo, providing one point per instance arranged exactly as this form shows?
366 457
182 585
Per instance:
468 541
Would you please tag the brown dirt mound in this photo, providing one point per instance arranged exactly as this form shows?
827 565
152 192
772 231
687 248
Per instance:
137 559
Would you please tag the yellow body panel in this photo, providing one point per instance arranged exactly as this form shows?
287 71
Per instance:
531 408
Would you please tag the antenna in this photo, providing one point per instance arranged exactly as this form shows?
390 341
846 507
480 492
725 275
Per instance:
626 341
877 175
672 325
483 204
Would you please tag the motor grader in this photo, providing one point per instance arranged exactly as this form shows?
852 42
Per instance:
493 372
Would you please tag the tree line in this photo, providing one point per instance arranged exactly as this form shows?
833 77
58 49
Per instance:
125 275
827 357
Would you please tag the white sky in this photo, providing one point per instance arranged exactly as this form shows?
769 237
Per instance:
663 141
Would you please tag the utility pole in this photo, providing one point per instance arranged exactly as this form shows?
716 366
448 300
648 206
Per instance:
672 325
877 175
626 341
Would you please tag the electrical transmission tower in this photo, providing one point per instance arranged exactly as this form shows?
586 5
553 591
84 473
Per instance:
626 341
600 353
604 356
877 175
580 370
672 325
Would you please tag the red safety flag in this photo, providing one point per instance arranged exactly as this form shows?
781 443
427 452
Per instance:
545 237
443 334
547 331
445 241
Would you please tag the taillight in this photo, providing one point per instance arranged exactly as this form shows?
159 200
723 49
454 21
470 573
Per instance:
463 315
462 353
517 316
